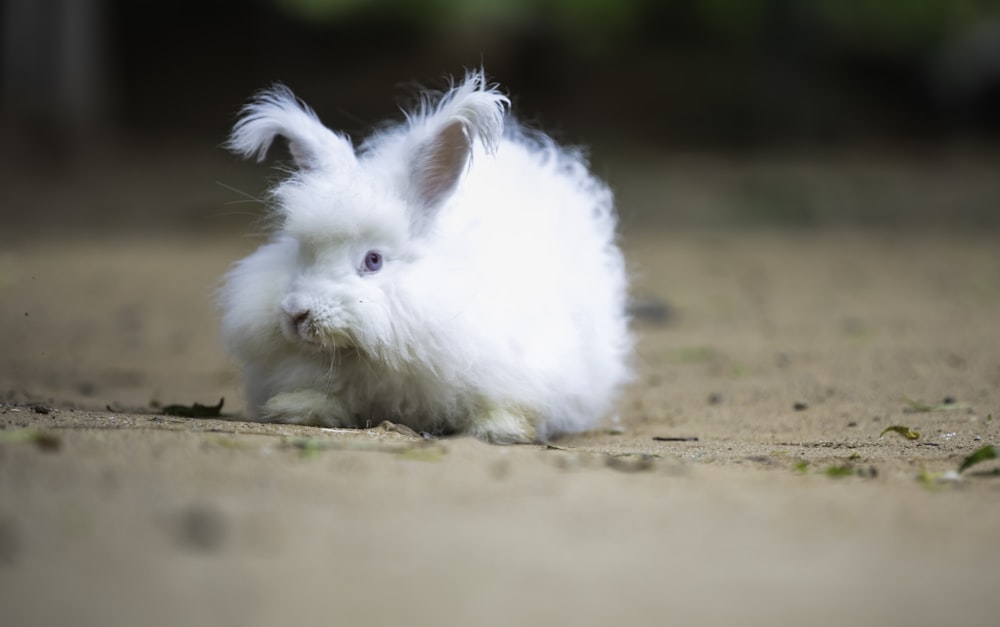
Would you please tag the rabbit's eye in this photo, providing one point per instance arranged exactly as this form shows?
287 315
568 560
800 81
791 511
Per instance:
373 261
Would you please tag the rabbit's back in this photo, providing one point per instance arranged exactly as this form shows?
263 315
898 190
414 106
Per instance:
528 244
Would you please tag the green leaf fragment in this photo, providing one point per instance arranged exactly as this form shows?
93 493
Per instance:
839 471
18 435
309 444
310 447
43 439
935 480
980 455
930 480
902 430
919 407
695 354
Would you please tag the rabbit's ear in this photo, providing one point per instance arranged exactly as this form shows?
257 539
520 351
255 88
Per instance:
471 111
277 111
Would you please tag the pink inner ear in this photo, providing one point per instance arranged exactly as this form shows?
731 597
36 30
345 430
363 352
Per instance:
440 163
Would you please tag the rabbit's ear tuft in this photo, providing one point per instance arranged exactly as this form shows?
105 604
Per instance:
469 112
277 111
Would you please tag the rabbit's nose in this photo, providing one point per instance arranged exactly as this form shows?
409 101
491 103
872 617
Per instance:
296 321
296 325
295 308
298 317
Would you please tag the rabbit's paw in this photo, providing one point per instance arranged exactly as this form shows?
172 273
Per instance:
499 425
304 407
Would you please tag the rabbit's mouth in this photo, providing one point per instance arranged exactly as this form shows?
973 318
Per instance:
307 323
305 330
338 340
299 326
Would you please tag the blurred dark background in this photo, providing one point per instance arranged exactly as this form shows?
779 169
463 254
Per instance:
699 112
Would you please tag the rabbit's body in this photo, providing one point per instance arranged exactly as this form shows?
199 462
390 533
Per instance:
414 285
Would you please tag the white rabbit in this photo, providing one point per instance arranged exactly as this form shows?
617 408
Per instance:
454 274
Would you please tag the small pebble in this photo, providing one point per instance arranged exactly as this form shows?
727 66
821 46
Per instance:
500 469
48 441
200 529
800 406
868 473
950 475
9 541
651 309
623 464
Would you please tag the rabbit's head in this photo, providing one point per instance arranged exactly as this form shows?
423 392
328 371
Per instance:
351 226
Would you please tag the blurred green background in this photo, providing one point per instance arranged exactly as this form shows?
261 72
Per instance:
699 112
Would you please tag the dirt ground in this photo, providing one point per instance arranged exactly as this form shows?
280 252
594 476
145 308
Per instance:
747 482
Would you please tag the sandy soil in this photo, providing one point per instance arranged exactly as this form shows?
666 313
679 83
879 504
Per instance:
767 363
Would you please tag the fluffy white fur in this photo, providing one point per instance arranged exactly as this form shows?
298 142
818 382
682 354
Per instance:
499 306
